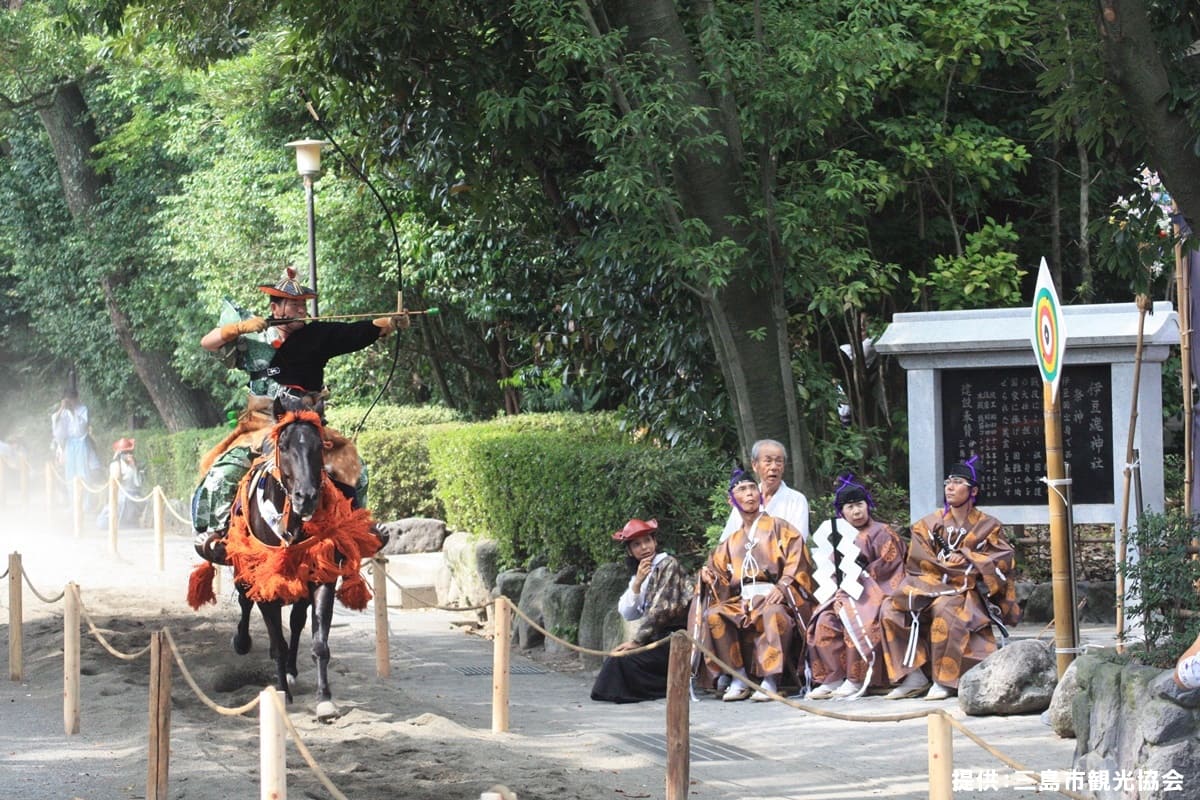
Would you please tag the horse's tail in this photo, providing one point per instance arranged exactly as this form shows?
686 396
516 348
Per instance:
354 593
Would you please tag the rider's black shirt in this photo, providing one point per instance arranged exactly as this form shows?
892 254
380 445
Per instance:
300 361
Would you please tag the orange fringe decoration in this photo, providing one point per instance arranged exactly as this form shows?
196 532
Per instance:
200 586
336 541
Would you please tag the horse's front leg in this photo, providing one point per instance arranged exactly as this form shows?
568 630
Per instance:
296 622
322 599
272 614
241 637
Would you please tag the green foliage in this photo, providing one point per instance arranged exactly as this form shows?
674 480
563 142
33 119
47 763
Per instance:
402 484
559 493
172 460
985 275
1163 582
346 418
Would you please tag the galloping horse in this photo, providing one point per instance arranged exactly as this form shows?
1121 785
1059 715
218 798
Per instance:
292 536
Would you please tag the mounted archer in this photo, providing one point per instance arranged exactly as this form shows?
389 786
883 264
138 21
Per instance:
288 358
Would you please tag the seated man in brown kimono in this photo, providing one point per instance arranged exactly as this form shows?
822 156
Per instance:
759 582
959 583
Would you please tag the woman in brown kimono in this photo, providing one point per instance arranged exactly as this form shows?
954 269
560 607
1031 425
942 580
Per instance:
859 563
959 583
760 582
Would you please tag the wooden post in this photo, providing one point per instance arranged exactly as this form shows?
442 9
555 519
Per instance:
941 757
160 538
383 664
71 660
158 754
16 614
1121 537
501 643
114 497
1062 582
272 762
77 505
679 674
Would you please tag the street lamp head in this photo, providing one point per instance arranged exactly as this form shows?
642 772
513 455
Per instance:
308 156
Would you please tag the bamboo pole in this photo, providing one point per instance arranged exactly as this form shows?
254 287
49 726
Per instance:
1183 290
1121 540
501 644
941 757
160 534
383 664
1062 581
272 762
71 660
679 673
158 755
16 625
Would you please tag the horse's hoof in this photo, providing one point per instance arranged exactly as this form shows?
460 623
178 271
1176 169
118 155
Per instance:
327 711
241 645
291 683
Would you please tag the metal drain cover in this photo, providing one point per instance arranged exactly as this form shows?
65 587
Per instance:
703 748
514 669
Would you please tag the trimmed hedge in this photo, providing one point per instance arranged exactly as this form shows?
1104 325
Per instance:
546 487
558 494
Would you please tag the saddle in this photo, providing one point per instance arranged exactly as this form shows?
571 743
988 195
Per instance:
253 430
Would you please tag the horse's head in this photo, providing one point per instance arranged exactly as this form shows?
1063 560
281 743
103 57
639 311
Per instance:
299 454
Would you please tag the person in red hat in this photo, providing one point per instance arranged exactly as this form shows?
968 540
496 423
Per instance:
279 358
124 469
658 595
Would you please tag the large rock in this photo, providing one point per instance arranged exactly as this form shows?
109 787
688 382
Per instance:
1017 679
561 606
458 582
1134 718
533 596
413 535
487 561
1062 717
608 584
1100 601
510 583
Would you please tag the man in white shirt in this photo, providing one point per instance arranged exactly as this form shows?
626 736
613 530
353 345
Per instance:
768 459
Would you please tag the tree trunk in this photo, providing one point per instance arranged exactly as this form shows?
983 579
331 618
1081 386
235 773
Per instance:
73 136
1136 67
746 317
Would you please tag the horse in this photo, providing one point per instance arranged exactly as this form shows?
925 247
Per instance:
292 535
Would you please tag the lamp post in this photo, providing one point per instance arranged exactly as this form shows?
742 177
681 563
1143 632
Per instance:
308 164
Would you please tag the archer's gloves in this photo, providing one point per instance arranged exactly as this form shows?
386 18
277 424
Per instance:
233 330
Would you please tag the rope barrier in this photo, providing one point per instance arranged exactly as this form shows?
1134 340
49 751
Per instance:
992 751
224 711
304 751
4 575
174 513
587 650
133 499
104 642
36 593
370 568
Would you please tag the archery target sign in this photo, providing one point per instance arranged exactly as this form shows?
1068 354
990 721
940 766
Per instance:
1049 337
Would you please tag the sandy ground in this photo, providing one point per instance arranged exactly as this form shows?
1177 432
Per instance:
422 733
387 742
